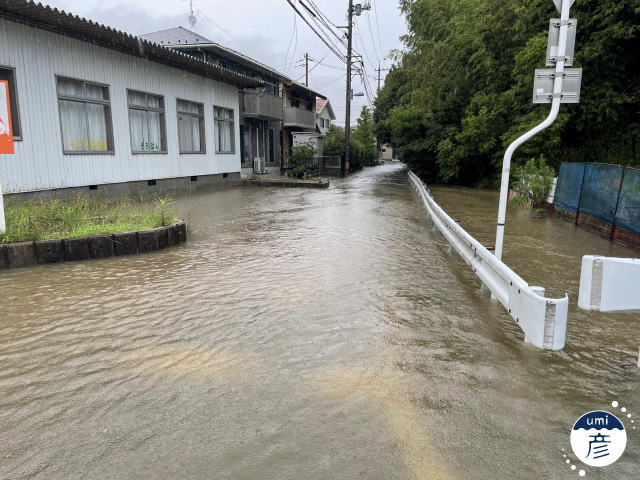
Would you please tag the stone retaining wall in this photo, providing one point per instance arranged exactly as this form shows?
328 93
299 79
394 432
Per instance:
43 252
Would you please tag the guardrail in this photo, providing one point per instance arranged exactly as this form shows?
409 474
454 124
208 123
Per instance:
543 320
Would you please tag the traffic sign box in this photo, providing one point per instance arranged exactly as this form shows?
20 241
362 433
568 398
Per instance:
545 80
554 41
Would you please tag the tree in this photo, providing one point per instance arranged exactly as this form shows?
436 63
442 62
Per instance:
363 139
461 90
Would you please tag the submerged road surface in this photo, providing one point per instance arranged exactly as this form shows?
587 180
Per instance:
305 334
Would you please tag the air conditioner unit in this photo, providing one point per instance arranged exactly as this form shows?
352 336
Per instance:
259 165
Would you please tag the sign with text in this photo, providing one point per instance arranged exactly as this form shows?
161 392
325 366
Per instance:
6 130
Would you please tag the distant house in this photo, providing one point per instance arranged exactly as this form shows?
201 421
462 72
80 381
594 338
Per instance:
324 117
270 115
386 153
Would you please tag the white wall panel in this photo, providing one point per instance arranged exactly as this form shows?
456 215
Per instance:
39 163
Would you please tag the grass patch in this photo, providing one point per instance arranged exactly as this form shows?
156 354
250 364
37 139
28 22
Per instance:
83 215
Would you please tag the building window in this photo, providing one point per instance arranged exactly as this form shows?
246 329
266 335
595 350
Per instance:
191 127
85 116
224 130
146 122
9 74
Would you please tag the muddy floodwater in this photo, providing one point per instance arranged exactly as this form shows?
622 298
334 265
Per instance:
308 334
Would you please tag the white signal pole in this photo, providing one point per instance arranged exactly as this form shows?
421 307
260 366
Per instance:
555 109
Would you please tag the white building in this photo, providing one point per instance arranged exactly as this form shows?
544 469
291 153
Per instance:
324 117
386 153
95 108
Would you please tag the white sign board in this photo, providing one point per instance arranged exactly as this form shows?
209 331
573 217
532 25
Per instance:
545 81
559 4
554 41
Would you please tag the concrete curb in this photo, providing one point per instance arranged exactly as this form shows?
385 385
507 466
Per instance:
286 184
44 252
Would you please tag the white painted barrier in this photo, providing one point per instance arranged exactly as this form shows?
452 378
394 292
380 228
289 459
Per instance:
609 284
543 320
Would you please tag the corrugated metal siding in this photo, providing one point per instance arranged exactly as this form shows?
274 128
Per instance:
39 163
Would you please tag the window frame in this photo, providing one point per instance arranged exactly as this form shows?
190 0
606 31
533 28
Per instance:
163 122
106 103
200 116
16 138
232 121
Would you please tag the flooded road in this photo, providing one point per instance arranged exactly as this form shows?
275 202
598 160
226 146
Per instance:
304 334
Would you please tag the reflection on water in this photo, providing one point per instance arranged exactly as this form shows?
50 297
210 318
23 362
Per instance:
306 334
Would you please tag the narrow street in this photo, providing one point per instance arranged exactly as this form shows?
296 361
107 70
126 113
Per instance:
305 334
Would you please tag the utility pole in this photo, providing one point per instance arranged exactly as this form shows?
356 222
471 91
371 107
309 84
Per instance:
344 165
357 10
306 69
380 70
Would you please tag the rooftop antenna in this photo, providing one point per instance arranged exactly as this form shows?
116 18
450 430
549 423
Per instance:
192 18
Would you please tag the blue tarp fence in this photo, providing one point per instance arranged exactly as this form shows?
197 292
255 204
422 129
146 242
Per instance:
609 193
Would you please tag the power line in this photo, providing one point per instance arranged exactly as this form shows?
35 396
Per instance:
375 11
322 37
313 68
373 41
201 13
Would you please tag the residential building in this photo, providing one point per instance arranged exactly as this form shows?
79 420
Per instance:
386 153
324 115
99 109
270 114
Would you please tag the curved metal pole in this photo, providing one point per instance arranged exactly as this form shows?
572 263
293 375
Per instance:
555 109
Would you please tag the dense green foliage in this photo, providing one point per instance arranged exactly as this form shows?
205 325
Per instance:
363 141
532 183
83 215
461 91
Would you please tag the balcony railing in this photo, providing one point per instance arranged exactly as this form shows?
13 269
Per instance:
262 105
297 117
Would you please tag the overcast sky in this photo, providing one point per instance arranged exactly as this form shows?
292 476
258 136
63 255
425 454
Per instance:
266 31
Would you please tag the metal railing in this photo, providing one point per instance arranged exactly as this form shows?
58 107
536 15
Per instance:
297 117
262 105
543 320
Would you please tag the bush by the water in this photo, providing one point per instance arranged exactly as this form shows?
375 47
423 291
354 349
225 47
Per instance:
83 215
532 182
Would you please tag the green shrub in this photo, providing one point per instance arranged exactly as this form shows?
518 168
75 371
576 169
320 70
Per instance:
532 182
300 154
